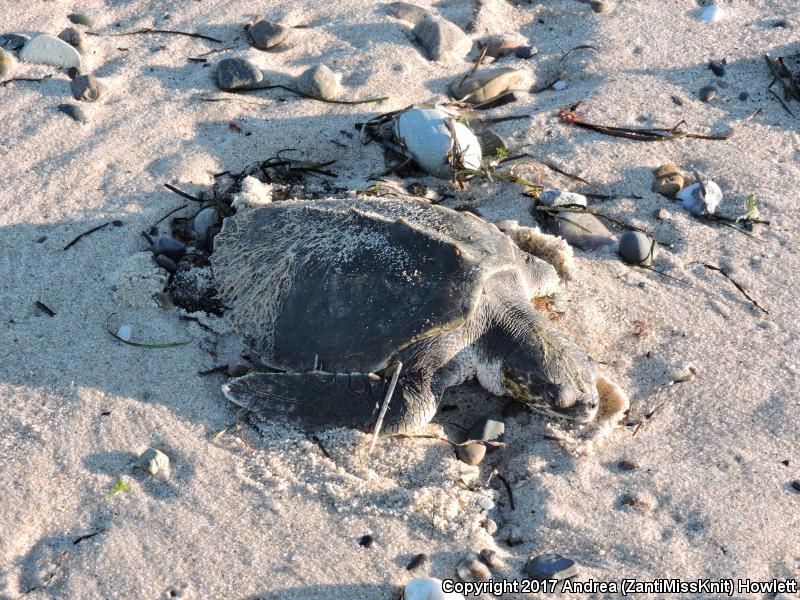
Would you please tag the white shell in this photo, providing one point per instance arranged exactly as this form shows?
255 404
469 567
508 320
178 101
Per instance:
124 333
48 50
425 136
561 198
428 588
713 14
694 201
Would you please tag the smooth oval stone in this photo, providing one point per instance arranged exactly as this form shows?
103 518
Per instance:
74 38
238 74
152 461
471 454
80 18
551 566
86 87
203 222
636 248
485 85
320 82
73 111
266 34
713 14
695 201
168 247
405 11
424 134
584 230
6 63
441 39
561 198
48 50
428 588
166 263
707 93
13 41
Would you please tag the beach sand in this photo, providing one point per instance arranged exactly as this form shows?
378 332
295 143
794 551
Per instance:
261 511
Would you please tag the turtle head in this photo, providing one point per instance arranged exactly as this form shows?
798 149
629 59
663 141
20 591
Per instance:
552 375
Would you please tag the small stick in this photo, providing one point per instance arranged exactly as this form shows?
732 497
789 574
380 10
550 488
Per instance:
321 446
172 188
735 283
581 47
219 369
45 309
85 233
151 30
172 212
385 406
508 488
553 167
7 81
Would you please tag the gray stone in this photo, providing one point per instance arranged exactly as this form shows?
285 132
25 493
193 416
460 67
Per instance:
203 223
13 41
485 503
6 63
583 230
238 74
662 214
488 429
637 248
441 39
152 461
551 566
74 111
168 247
472 453
796 485
707 93
166 263
320 82
86 87
717 68
48 50
562 198
405 11
79 18
74 38
266 34
490 143
744 96
600 6
526 51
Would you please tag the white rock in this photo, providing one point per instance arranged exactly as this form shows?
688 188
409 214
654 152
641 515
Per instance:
424 134
559 85
124 333
428 588
713 14
561 198
485 503
693 199
48 50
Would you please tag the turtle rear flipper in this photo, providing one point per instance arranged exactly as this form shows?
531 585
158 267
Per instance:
351 399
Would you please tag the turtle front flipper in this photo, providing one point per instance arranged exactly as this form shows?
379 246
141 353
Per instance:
334 399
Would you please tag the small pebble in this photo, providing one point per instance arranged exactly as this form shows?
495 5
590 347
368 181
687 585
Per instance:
79 18
472 453
785 462
6 63
73 72
74 38
152 461
667 180
472 569
73 111
500 48
441 39
490 526
717 68
238 74
707 93
366 541
417 561
169 247
551 566
636 248
124 333
405 11
266 34
166 263
712 14
45 49
428 588
86 87
320 82
600 6
203 223
13 41
628 465
744 96
796 485
559 85
485 503
526 52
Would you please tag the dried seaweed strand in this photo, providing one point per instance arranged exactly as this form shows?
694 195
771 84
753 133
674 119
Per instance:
151 30
85 233
45 309
142 344
735 283
581 47
310 97
7 81
183 194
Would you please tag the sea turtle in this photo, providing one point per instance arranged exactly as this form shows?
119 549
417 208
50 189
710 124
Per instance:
334 293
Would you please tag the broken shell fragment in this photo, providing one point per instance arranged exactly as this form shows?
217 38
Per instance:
667 180
438 143
701 199
483 86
